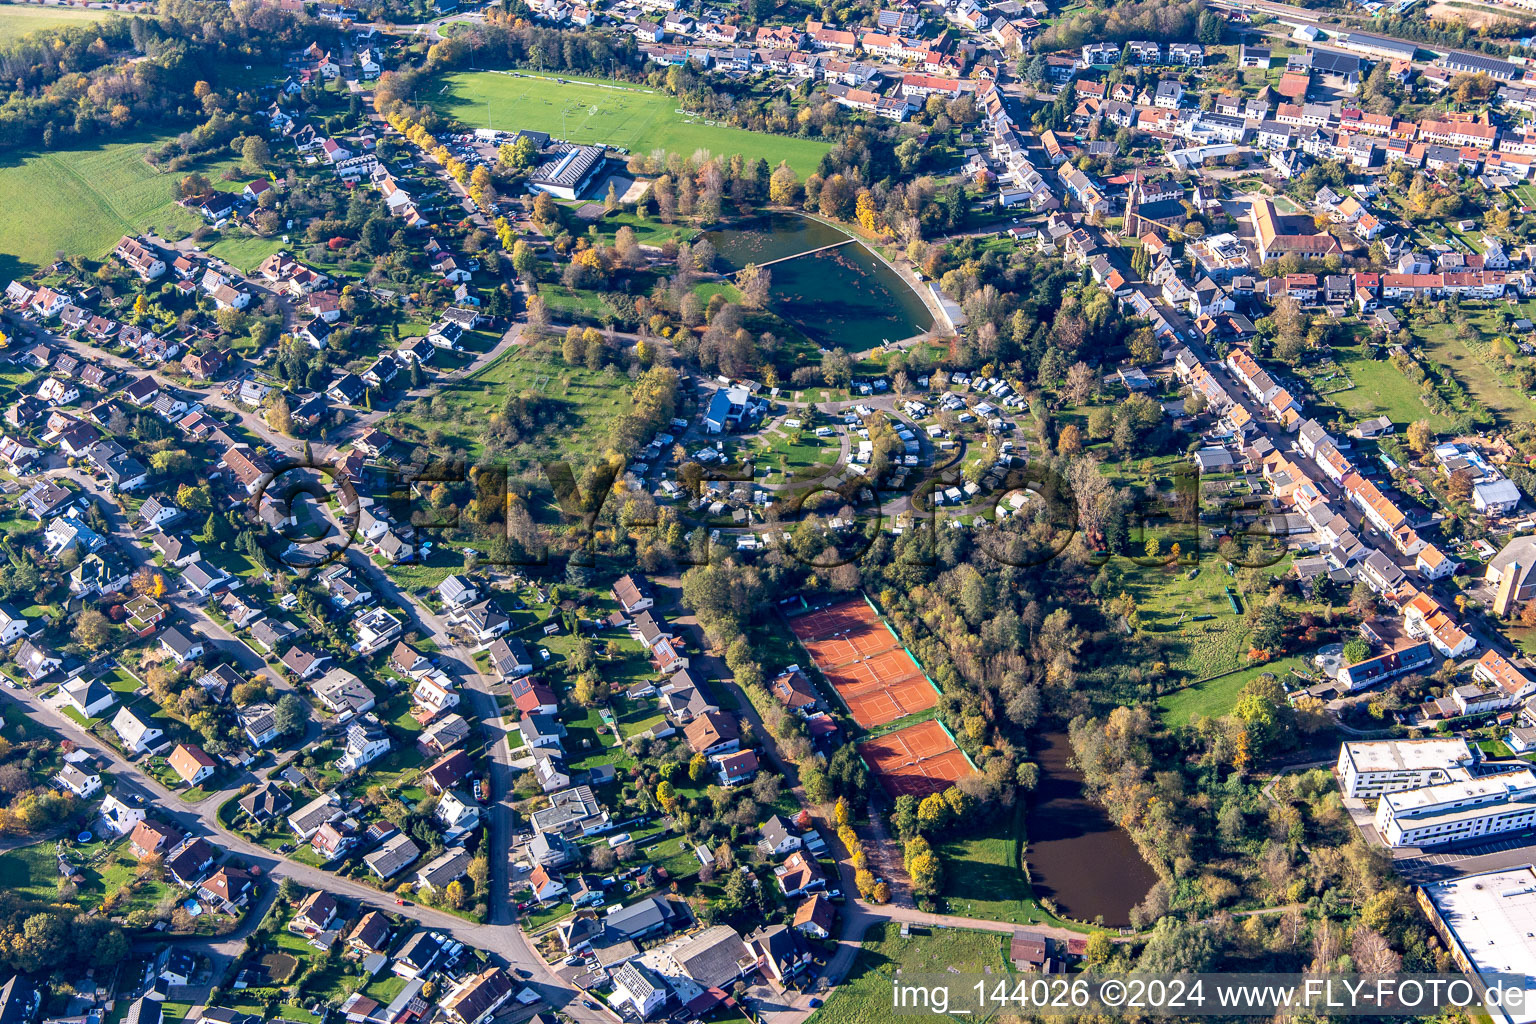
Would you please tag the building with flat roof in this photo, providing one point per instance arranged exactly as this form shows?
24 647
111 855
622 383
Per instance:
1371 768
1457 811
1488 922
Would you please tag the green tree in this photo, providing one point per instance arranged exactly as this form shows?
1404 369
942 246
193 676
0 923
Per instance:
1211 27
814 781
737 895
291 714
254 155
171 462
523 258
1265 714
216 530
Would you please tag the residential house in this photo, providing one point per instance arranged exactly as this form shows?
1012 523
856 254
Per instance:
180 646
394 856
443 870
712 733
137 730
192 763
150 837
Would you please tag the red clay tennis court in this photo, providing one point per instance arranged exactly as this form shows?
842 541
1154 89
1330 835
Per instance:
842 617
920 759
864 662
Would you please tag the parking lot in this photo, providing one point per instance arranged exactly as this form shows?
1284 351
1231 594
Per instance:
1464 853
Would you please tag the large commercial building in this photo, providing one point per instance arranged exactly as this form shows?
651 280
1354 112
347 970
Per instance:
566 170
1377 46
1488 923
1457 811
1461 63
1369 769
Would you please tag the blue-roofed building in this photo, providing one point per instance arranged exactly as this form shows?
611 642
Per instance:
730 409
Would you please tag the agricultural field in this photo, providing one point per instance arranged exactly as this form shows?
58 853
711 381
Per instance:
614 114
865 997
82 201
20 20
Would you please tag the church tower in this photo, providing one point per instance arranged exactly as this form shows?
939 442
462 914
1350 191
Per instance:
1129 229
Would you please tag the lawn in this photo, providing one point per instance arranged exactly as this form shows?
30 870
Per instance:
17 20
82 201
865 998
588 402
588 742
31 871
537 919
675 856
1476 366
422 575
384 987
787 455
1380 390
1190 619
599 112
636 717
982 876
648 231
1215 697
243 252
573 305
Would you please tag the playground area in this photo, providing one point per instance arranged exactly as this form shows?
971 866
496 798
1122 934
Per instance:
920 759
872 673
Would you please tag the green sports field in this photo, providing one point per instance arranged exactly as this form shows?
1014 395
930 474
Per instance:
82 201
18 20
614 114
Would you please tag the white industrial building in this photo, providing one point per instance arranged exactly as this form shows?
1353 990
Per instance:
566 170
1458 811
1488 923
1368 769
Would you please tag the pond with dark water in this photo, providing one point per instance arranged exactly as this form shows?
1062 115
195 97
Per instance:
843 297
1077 856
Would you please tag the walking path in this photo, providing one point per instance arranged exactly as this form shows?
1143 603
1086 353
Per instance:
808 252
